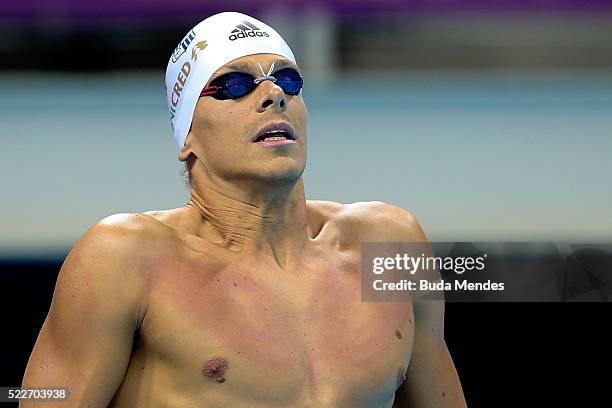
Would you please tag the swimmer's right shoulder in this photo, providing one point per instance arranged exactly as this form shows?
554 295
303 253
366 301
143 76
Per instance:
125 235
134 222
131 226
106 269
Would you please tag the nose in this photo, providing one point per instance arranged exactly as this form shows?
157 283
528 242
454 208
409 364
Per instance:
272 98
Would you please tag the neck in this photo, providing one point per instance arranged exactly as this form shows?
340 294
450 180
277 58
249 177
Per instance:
265 222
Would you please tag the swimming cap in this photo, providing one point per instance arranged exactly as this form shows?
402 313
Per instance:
212 43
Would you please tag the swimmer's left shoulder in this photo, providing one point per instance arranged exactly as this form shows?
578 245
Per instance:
378 221
324 207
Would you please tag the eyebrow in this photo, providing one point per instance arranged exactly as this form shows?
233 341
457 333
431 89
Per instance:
254 68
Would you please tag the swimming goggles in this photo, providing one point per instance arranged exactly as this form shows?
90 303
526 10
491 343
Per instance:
238 84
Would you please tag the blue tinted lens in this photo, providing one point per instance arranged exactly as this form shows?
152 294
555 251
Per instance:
234 85
240 86
289 80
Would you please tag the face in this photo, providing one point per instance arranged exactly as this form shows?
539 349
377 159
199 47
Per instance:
230 138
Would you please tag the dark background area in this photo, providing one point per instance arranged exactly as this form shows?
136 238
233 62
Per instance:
85 35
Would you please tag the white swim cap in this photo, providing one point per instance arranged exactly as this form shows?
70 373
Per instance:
212 43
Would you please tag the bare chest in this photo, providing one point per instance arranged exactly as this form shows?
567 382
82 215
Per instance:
300 338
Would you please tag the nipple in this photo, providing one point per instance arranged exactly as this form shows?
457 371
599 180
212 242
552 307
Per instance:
215 368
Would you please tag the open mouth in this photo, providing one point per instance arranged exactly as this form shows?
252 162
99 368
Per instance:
275 134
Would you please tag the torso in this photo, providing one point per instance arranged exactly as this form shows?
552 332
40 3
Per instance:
224 331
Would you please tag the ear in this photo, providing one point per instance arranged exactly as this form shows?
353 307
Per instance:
186 149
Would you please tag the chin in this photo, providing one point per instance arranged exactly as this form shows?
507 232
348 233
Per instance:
280 172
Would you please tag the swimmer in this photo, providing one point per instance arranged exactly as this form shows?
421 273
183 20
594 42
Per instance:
249 295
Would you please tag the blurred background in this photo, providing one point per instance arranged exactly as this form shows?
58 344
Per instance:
488 120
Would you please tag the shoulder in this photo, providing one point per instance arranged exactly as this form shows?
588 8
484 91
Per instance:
121 234
370 221
323 210
104 275
380 221
112 251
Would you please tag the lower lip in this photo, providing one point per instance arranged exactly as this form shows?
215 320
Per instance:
275 142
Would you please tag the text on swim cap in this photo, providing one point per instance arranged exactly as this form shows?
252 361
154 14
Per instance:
182 47
246 29
178 86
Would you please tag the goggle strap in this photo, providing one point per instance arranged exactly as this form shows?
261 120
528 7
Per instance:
269 71
211 90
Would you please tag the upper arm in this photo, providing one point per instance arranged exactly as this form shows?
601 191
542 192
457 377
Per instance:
86 340
431 379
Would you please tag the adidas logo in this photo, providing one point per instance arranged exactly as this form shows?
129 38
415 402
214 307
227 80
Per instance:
247 29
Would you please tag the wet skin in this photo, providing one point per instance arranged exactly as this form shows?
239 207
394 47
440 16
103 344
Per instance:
249 296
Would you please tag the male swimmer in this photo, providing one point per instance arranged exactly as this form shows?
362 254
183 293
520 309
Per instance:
248 296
